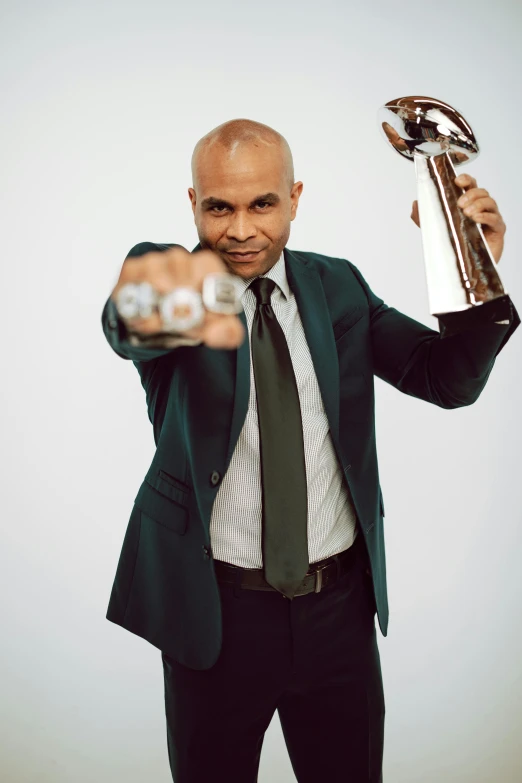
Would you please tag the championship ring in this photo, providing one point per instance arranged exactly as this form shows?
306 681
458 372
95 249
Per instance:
220 294
181 309
136 300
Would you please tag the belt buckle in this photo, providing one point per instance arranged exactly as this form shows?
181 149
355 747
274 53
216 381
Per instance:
319 575
319 578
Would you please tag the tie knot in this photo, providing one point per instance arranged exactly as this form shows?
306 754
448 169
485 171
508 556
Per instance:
262 288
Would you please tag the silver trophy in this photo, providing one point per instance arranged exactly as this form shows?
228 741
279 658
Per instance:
460 270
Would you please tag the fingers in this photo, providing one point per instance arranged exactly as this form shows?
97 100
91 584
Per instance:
477 204
491 219
477 201
177 268
190 269
140 269
415 213
478 194
465 181
150 325
222 331
218 331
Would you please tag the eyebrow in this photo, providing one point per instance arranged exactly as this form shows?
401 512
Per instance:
211 201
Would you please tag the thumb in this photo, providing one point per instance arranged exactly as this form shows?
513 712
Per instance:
415 213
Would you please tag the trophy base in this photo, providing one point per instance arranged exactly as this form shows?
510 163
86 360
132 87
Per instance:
475 316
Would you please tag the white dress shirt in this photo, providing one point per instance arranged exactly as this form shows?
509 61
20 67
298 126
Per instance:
235 524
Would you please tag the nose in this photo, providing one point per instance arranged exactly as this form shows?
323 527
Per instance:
241 228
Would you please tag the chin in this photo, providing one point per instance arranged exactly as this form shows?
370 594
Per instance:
247 270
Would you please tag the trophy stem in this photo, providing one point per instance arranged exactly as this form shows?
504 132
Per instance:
460 270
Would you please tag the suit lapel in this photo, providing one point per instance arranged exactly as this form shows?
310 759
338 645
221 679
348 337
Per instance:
306 285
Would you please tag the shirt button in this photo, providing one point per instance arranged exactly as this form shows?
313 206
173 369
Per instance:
215 478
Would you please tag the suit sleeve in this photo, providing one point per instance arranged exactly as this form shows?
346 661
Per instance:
448 371
131 346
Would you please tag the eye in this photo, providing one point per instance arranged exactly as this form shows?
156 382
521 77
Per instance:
220 208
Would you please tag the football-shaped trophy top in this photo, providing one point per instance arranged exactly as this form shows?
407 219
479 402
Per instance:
429 127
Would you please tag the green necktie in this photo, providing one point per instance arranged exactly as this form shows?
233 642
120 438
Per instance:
283 475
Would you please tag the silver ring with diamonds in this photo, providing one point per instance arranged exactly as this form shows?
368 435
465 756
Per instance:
181 309
221 295
136 300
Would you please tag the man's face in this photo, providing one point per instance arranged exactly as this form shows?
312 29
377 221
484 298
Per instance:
244 204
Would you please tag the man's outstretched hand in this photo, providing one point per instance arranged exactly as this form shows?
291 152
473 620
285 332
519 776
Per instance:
480 207
175 268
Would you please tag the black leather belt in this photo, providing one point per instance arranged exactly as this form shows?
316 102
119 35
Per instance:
321 574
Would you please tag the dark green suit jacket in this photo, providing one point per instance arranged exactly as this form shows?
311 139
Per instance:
165 588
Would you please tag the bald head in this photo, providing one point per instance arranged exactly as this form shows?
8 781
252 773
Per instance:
244 196
228 139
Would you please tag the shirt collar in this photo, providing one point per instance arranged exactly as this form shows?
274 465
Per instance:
277 273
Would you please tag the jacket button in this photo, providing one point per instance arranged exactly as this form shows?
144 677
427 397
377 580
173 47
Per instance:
215 478
112 323
206 552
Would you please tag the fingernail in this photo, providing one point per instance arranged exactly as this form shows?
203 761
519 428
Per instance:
463 201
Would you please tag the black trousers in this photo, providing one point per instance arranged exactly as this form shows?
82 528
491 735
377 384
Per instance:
314 659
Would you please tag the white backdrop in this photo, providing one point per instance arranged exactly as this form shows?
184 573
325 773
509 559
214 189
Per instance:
102 105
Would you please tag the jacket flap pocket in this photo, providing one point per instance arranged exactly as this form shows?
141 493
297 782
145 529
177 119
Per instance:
176 482
169 486
347 321
163 508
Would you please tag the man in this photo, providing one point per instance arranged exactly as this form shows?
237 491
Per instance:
264 486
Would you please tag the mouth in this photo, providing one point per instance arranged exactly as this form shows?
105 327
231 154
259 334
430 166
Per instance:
243 256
